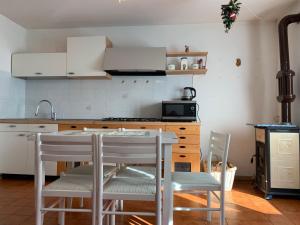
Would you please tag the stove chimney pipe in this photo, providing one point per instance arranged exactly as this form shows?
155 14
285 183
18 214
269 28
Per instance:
285 75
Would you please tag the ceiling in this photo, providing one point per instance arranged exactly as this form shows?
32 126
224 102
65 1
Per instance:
37 14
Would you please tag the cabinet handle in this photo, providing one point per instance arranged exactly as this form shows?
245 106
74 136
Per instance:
182 146
105 127
71 73
38 73
182 137
182 156
12 126
73 126
143 127
21 135
182 128
42 126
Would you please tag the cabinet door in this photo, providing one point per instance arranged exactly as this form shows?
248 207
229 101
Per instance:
85 56
284 160
39 65
13 152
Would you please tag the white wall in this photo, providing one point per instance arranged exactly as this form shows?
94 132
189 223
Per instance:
12 91
294 37
229 97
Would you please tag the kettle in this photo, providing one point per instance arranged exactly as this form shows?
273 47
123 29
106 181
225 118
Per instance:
189 94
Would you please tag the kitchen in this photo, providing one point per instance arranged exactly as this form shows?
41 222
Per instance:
229 96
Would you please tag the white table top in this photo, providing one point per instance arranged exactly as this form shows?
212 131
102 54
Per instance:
167 137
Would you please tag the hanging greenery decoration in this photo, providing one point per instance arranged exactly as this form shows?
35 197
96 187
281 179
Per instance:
230 13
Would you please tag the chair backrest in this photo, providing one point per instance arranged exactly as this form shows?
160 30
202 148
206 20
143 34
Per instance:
61 147
218 150
130 149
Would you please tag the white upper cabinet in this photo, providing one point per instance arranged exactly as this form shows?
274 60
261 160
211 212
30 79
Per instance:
39 65
85 56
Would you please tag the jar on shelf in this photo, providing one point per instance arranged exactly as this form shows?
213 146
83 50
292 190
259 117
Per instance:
184 63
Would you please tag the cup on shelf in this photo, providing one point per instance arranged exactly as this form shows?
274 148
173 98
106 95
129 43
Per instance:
171 67
195 66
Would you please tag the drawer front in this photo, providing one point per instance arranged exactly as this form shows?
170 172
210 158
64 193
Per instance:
184 129
13 127
142 126
76 126
42 127
260 135
189 139
110 126
191 159
182 148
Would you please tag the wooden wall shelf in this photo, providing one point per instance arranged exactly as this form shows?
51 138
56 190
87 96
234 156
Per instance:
186 54
185 72
195 57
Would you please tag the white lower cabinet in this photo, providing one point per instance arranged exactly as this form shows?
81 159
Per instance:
17 149
14 150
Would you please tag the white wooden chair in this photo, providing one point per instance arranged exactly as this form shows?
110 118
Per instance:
148 171
199 182
87 169
58 147
130 150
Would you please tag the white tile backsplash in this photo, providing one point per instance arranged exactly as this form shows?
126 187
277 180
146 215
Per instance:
12 96
119 97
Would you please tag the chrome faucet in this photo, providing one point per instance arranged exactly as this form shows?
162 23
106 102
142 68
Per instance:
53 114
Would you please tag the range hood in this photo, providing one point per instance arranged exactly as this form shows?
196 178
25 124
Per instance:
135 61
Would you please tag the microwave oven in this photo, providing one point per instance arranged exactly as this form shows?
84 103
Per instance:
181 111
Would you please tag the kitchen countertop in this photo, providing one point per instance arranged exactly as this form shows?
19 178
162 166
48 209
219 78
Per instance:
80 121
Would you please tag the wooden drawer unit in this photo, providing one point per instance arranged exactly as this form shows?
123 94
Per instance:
144 126
186 154
182 148
189 139
189 162
184 129
76 126
110 126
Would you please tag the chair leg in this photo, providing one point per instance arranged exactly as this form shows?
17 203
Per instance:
61 217
69 202
120 205
39 214
81 203
208 206
222 207
113 217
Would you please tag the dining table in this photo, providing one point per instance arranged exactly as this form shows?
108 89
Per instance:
167 140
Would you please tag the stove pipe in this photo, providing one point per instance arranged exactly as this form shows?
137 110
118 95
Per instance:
285 75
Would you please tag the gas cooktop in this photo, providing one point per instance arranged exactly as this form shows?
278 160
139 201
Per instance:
130 119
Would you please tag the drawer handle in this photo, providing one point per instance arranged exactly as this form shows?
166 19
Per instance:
12 126
182 137
143 127
38 73
105 127
42 126
71 73
21 135
182 156
182 128
182 146
73 126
